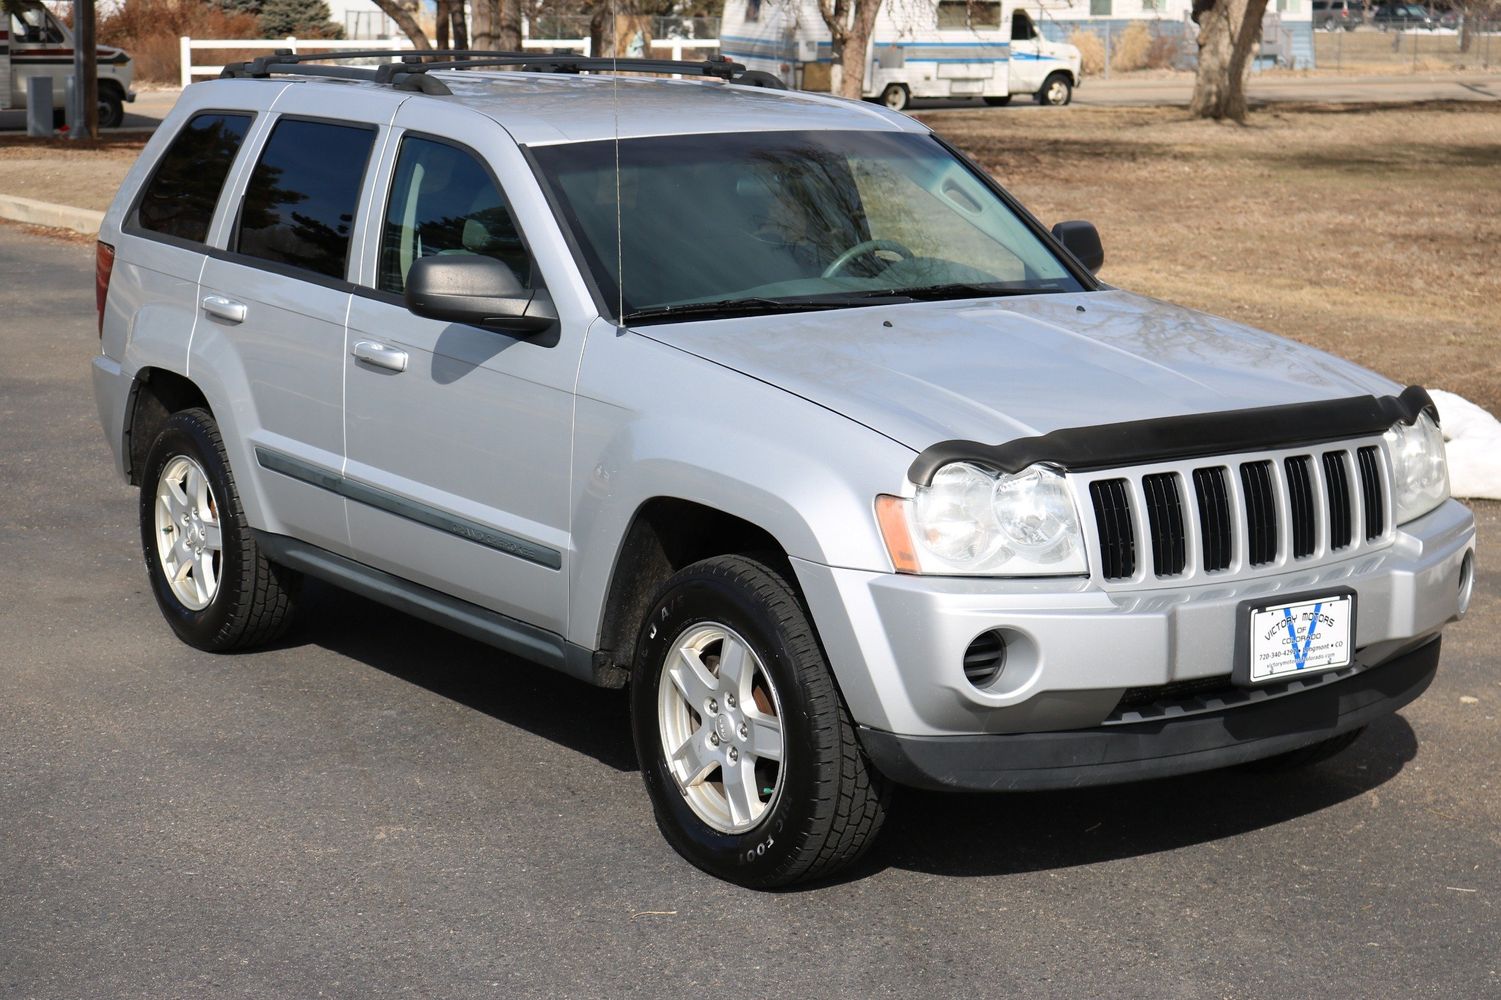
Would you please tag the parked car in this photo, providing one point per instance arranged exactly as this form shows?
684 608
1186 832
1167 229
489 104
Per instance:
1332 15
34 43
1404 16
774 407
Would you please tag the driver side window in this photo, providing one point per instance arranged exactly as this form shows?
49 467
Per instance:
1022 28
444 202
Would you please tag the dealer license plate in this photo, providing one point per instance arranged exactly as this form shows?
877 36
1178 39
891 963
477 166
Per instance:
1302 638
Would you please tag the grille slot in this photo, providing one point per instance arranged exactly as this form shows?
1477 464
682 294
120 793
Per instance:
984 658
1337 486
1261 512
1372 502
1300 496
1165 519
1214 518
1112 512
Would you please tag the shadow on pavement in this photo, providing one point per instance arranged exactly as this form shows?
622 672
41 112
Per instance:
936 833
1005 834
590 720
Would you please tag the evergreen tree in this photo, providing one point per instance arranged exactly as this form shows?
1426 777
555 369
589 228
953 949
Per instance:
295 17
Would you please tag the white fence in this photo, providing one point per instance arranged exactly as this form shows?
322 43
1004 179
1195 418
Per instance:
676 47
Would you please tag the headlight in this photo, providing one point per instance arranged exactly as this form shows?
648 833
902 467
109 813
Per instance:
1420 474
971 521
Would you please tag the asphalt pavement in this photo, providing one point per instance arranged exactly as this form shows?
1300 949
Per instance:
376 808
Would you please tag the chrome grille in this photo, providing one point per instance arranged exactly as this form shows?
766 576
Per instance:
1235 516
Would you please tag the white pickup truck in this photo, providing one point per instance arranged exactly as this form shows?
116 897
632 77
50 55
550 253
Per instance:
33 43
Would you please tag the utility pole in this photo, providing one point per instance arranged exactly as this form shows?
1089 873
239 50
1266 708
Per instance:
86 69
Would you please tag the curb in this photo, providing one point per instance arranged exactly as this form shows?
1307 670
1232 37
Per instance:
44 213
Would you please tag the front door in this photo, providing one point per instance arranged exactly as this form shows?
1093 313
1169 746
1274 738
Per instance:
1026 54
274 304
458 436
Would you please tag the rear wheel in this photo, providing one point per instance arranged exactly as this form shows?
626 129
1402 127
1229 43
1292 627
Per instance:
747 751
211 582
896 96
1057 90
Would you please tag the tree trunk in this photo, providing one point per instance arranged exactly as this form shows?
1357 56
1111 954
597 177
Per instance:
405 21
850 23
510 25
1229 37
485 23
1466 28
442 17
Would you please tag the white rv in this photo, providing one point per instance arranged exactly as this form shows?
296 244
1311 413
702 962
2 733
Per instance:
34 43
920 48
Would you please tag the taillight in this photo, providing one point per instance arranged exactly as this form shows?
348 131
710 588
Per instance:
104 263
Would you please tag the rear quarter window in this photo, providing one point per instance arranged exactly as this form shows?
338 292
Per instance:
300 201
179 199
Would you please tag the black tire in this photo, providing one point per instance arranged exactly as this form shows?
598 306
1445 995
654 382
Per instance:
831 801
1317 753
896 96
1056 91
111 107
1331 24
998 102
254 602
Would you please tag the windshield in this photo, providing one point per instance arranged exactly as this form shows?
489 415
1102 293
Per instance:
771 221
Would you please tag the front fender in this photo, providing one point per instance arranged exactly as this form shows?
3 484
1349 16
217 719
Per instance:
654 421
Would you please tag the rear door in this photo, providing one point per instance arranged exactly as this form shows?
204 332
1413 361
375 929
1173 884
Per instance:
458 437
273 304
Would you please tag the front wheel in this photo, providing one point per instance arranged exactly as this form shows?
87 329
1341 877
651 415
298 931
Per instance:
213 585
111 108
1057 90
896 97
748 754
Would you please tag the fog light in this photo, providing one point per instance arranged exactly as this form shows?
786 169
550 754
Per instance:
985 658
1466 582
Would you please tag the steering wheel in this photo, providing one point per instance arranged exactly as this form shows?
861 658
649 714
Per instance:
861 249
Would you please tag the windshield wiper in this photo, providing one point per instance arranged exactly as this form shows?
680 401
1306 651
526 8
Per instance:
961 290
726 308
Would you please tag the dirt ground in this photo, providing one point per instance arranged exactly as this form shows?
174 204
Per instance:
83 173
1371 232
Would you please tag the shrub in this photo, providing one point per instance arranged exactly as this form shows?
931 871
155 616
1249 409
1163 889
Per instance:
149 30
1129 49
1091 51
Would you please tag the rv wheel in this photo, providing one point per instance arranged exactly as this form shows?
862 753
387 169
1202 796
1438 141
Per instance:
896 97
1056 90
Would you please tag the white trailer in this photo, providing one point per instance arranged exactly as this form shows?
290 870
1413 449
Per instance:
990 49
33 43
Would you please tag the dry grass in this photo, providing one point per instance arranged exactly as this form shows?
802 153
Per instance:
1370 51
83 173
1371 232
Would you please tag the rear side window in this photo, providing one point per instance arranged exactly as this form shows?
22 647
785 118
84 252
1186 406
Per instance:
443 201
300 202
179 199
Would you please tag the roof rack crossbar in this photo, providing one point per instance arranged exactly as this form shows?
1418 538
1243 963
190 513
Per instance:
415 62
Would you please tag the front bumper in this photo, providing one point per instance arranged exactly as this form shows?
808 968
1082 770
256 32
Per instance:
897 643
1102 756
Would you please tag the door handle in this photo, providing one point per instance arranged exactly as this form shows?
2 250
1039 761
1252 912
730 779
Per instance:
380 356
227 309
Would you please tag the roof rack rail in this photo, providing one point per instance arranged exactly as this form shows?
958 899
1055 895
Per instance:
410 73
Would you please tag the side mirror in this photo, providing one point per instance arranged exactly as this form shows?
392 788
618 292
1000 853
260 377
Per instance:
1082 240
481 291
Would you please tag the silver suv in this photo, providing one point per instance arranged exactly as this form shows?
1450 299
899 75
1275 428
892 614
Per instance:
770 405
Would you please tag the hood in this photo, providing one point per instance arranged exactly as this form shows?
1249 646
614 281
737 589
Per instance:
995 370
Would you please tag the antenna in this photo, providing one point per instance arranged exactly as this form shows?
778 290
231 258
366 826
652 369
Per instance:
619 231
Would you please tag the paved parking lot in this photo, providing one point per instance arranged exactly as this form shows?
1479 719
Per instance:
376 808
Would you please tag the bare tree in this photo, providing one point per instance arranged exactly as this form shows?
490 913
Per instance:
484 23
1229 38
400 11
509 28
850 23
451 15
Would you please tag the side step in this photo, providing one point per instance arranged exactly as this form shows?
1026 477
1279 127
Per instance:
489 627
